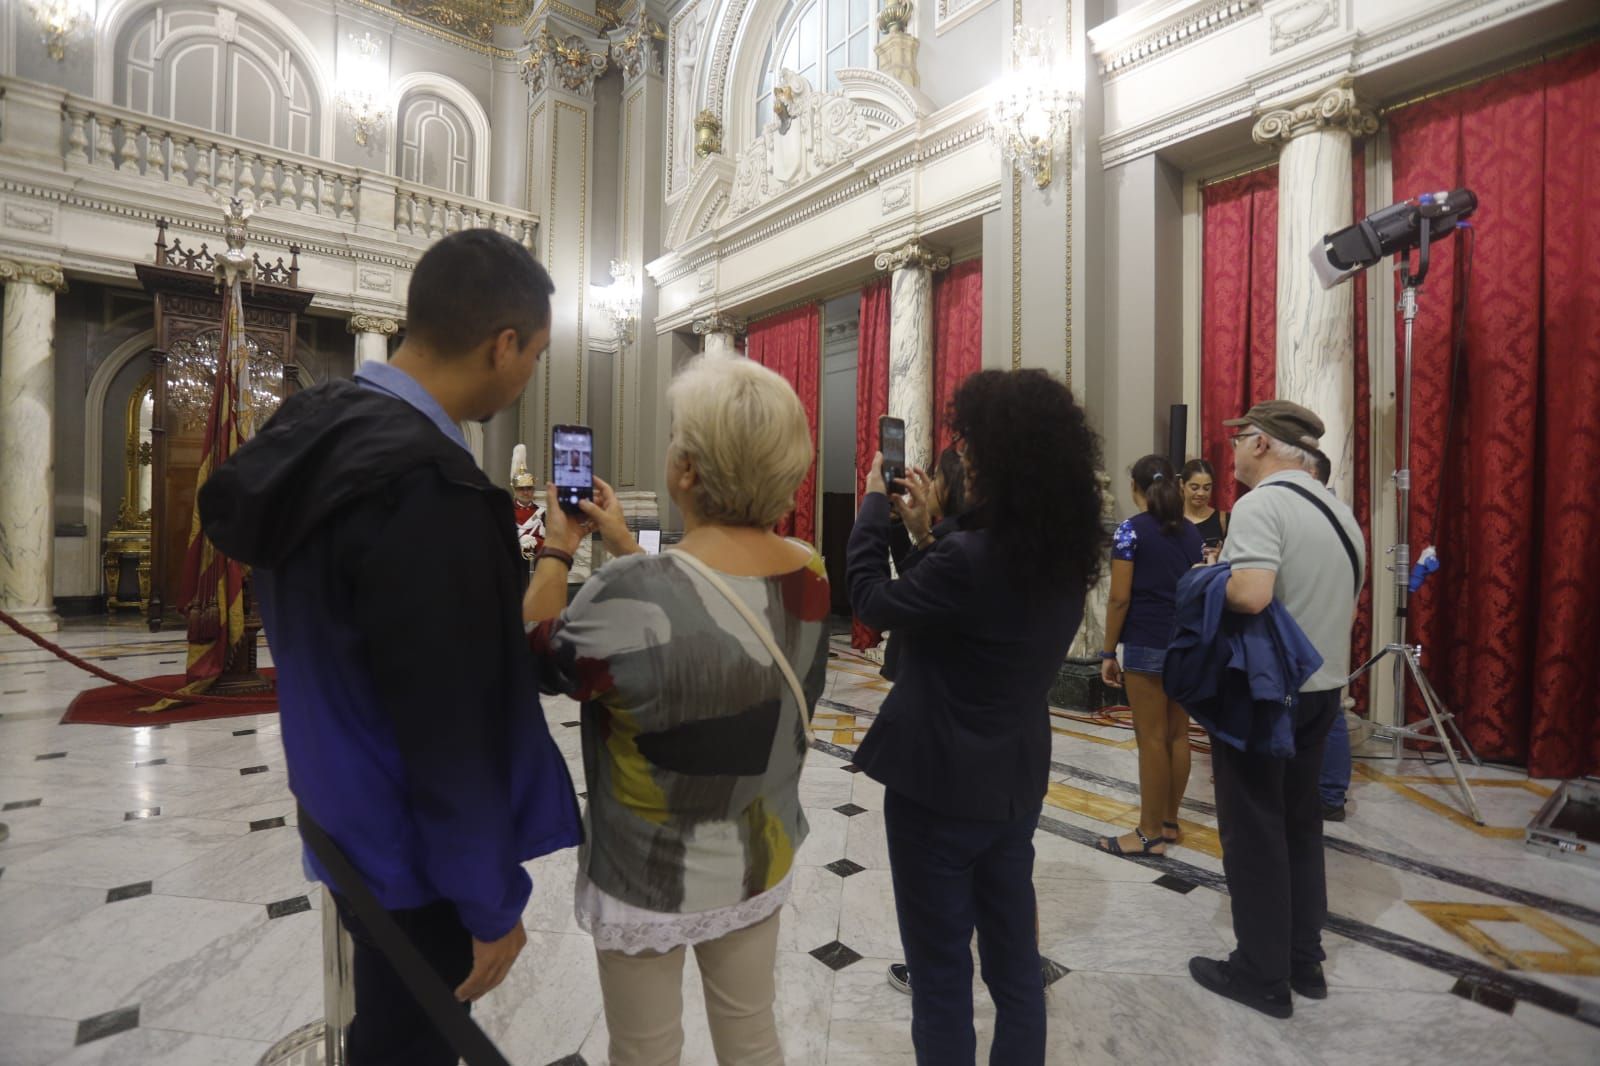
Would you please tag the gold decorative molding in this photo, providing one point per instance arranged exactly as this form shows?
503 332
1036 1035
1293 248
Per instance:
1336 109
433 29
48 275
569 62
636 46
361 323
911 254
1016 269
707 134
539 9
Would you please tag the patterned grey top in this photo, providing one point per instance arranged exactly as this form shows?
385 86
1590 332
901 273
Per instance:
692 744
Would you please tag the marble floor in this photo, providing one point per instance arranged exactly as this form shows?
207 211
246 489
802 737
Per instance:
153 910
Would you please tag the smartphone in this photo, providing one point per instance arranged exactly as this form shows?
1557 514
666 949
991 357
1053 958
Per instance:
650 540
892 443
572 448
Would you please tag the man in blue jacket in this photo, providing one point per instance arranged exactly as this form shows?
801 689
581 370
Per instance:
390 584
1292 542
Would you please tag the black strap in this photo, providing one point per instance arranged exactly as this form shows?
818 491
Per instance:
1338 527
425 986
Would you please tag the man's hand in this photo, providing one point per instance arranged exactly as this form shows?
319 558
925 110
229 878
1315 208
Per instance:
490 964
562 531
912 504
875 476
606 514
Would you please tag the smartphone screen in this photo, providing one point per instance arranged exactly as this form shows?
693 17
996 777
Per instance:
650 540
892 442
572 448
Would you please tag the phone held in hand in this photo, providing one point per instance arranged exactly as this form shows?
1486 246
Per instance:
892 443
572 448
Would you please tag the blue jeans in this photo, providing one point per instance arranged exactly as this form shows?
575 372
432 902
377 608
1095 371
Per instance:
952 874
1335 779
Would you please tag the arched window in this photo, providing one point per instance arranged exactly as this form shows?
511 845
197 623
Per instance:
816 39
435 144
212 68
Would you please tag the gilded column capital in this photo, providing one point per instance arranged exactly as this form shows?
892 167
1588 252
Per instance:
717 322
569 62
46 275
1336 109
636 46
362 323
911 254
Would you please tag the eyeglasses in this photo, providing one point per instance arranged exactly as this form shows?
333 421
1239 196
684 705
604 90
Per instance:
1237 437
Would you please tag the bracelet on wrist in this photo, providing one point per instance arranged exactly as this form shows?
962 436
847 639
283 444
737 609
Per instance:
565 558
1108 655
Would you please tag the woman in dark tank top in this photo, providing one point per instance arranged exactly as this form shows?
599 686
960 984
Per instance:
1199 481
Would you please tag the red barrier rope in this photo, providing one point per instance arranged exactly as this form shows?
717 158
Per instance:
105 675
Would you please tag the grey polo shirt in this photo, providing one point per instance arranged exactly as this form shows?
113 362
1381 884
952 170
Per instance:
1280 530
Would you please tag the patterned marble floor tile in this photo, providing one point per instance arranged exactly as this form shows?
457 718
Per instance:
145 1046
30 912
256 868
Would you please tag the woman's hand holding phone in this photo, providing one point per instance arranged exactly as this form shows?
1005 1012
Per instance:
604 513
912 504
562 531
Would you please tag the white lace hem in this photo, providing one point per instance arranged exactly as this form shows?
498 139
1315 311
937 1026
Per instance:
619 926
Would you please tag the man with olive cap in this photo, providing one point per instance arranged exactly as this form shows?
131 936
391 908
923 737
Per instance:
1289 540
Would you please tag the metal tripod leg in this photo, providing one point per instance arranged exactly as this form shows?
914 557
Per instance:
1430 700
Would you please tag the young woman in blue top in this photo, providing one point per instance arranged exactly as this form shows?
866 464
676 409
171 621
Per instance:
1149 553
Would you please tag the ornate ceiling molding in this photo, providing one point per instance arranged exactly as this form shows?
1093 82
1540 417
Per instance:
1119 52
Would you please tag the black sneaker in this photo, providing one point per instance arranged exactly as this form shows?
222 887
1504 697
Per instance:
1308 981
900 977
1217 976
1330 813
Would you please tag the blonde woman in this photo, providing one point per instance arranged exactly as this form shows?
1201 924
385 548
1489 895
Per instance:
694 730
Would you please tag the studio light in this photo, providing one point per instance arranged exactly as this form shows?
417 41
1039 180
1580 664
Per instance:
1391 231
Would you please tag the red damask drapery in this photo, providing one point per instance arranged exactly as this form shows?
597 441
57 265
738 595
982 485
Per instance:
1502 457
1361 479
957 341
1239 317
872 403
789 344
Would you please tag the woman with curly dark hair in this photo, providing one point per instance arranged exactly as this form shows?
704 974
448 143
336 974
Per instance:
984 618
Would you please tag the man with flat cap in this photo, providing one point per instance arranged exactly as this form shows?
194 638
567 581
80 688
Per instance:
1291 541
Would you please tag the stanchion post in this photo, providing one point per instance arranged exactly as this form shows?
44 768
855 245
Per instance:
338 980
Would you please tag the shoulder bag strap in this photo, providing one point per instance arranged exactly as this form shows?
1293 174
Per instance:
1338 527
437 1000
755 623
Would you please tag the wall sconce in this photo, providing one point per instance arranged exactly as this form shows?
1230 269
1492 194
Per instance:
619 302
1031 110
60 19
364 87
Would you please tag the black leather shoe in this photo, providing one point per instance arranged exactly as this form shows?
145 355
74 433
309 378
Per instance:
1330 813
1309 982
1217 976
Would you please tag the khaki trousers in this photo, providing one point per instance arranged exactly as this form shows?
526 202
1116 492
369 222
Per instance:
644 1000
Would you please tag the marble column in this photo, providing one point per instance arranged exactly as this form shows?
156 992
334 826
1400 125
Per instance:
1316 326
911 345
372 333
721 336
27 442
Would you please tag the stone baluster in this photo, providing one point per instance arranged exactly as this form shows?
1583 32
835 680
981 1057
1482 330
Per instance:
227 164
1316 326
247 175
911 345
105 152
202 162
372 333
128 156
529 234
27 442
77 140
179 170
269 181
347 199
435 219
327 204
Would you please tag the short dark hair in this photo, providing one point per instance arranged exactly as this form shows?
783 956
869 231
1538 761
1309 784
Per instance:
473 284
1322 464
1196 466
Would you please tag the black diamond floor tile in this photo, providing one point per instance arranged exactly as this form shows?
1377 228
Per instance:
253 770
148 812
1176 884
1051 970
134 891
108 1024
850 810
844 867
285 907
571 1060
835 956
244 732
1478 992
267 823
850 768
50 755
18 805
569 725
150 762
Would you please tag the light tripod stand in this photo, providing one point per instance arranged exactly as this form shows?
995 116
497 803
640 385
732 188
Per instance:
1440 724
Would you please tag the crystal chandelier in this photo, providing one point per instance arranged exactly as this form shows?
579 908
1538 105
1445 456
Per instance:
60 19
1032 107
364 87
619 301
192 378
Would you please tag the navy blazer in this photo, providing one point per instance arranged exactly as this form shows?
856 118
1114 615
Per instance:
966 729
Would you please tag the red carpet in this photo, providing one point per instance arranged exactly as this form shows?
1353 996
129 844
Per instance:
114 705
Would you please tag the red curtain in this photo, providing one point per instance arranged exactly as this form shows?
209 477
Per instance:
872 403
1361 476
957 341
1510 622
1239 320
790 344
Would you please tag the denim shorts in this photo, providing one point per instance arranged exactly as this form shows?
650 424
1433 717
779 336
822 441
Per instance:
1140 660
